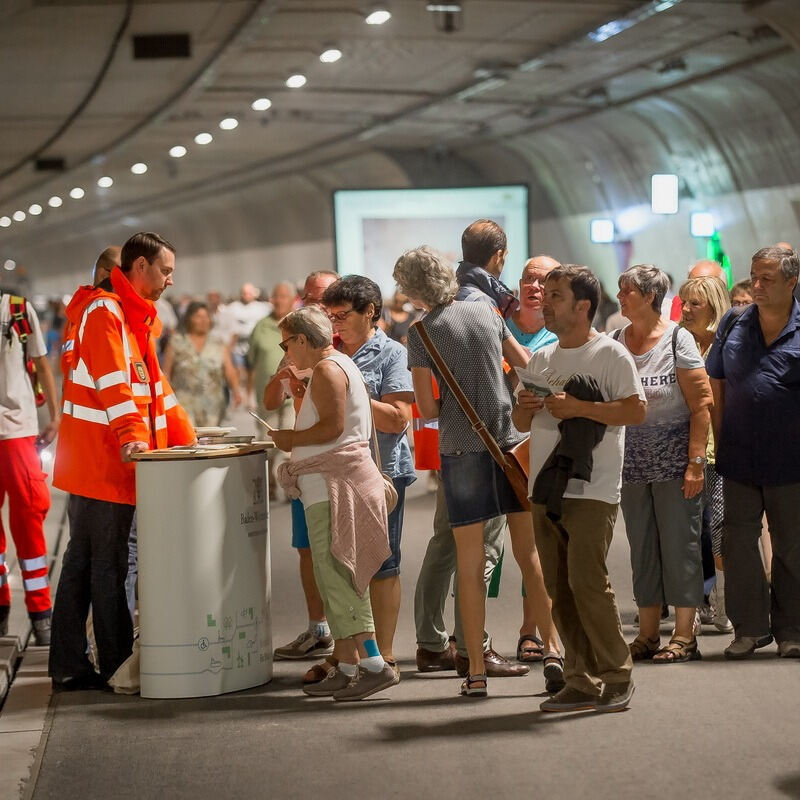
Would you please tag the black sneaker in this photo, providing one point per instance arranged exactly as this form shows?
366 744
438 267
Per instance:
4 612
41 631
615 697
91 681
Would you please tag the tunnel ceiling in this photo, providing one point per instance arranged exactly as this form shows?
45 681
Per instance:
522 90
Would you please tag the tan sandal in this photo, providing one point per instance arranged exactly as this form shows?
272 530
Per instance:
319 672
678 651
644 649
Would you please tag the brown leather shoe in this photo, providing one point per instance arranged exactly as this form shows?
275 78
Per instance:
430 661
495 666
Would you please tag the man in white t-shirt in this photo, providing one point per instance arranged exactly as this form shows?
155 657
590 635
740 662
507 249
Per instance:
573 549
21 476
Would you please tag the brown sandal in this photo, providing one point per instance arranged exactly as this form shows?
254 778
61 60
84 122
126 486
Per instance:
319 671
644 649
678 651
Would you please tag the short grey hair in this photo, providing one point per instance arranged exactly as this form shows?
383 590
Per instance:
423 274
787 260
647 279
312 322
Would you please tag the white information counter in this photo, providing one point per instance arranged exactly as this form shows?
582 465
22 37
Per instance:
204 571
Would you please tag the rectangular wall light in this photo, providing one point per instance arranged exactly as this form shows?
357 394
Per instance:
701 224
664 194
601 231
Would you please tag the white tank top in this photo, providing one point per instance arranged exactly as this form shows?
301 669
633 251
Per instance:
357 428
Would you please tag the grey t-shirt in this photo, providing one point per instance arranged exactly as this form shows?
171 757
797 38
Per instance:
470 338
658 449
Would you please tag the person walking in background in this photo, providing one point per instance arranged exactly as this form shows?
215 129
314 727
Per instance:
198 364
705 301
662 473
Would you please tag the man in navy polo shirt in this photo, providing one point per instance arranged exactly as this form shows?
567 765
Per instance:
754 367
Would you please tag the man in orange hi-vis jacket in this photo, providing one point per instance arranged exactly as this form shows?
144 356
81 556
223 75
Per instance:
116 403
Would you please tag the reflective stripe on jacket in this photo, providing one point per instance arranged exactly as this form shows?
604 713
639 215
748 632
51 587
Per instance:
114 394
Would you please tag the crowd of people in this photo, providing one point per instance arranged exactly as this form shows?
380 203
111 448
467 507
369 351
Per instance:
681 414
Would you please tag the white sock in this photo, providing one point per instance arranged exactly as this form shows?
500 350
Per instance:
348 669
373 663
319 627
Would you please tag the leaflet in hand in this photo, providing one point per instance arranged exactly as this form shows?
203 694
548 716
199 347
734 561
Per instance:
537 384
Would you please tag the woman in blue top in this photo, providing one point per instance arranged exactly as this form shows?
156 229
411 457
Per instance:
354 306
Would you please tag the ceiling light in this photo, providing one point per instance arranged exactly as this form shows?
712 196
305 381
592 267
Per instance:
664 194
447 8
139 168
377 15
229 123
179 151
55 201
296 80
106 182
330 55
701 224
10 265
35 209
262 104
5 222
203 138
76 193
486 85
642 13
18 216
601 231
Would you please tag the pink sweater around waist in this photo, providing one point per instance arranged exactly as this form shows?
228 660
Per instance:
359 524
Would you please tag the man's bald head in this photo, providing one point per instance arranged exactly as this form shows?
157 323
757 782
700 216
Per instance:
705 268
110 257
541 263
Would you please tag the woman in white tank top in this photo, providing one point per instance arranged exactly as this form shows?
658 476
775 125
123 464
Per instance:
330 461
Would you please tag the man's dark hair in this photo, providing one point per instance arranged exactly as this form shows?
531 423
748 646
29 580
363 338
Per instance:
481 240
787 260
582 281
148 245
356 290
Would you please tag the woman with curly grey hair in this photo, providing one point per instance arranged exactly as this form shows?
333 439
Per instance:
472 339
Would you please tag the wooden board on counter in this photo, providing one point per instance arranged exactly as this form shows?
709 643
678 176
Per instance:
183 454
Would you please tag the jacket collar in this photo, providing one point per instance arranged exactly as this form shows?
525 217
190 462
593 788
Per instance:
140 314
471 275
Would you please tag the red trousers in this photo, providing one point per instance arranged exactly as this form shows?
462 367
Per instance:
22 479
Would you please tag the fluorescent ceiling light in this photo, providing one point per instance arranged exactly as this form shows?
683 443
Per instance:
331 55
179 151
76 193
5 222
701 224
35 209
55 201
106 182
664 194
601 231
19 216
229 123
296 80
203 138
261 104
139 168
10 265
483 86
532 64
644 12
447 8
378 16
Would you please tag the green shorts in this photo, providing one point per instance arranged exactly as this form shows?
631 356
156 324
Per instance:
347 613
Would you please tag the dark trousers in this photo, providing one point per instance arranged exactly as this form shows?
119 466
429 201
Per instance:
754 607
93 573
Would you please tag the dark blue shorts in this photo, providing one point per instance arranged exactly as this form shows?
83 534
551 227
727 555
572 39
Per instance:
476 489
391 566
299 527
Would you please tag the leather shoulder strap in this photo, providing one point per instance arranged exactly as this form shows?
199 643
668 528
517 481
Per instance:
463 401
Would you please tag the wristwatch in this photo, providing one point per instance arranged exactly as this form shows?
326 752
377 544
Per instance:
697 460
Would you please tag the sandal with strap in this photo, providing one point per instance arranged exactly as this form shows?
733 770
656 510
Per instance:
677 651
644 649
532 652
475 686
319 672
553 673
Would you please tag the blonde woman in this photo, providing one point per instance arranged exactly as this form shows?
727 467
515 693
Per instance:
704 302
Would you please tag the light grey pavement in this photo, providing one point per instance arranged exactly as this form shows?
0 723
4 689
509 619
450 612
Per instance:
705 729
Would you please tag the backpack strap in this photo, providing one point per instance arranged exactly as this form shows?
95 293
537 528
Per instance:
735 316
20 324
675 345
616 334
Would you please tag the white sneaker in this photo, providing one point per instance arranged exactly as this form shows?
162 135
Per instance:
722 623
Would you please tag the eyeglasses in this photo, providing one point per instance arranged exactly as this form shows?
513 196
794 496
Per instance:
284 345
533 279
341 316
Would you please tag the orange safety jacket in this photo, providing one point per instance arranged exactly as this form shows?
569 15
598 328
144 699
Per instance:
115 394
426 436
